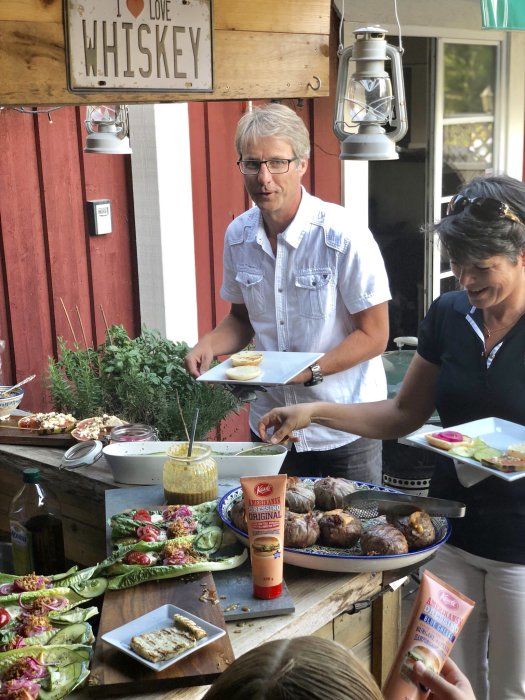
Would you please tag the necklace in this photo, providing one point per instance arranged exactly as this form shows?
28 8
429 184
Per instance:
488 333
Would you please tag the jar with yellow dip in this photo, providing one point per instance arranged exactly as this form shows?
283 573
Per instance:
189 480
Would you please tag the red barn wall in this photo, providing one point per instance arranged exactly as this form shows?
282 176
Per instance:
49 264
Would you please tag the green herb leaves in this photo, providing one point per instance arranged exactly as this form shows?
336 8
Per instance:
141 380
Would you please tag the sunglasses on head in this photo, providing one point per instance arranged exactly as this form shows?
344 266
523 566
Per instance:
483 208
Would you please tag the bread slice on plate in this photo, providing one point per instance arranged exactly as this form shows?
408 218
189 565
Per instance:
187 625
168 642
161 644
246 357
243 373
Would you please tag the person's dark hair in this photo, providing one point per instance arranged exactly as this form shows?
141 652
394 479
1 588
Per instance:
466 238
303 668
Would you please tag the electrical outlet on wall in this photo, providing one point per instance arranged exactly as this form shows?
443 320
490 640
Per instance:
99 216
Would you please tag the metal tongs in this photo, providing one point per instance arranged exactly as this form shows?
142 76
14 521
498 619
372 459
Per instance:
371 503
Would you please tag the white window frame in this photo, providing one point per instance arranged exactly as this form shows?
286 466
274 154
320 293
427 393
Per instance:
434 272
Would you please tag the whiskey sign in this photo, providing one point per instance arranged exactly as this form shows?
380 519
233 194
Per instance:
142 45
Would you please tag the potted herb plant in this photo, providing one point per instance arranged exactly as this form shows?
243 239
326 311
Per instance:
141 380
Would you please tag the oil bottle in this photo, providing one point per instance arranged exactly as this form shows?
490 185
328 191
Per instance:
36 528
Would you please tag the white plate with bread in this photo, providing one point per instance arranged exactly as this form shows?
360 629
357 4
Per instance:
491 445
148 634
262 368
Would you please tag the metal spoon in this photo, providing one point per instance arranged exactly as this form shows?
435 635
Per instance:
192 430
250 449
15 386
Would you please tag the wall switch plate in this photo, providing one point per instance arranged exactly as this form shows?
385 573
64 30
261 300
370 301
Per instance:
99 216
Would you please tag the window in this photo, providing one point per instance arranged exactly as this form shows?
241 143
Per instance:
466 130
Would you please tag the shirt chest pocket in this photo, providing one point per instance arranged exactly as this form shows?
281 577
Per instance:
315 292
251 282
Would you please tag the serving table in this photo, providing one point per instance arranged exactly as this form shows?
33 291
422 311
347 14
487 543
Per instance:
320 598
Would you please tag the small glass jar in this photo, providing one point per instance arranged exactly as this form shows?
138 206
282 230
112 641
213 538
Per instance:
135 432
189 480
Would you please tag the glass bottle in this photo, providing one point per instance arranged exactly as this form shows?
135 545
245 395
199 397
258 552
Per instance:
36 528
135 432
189 480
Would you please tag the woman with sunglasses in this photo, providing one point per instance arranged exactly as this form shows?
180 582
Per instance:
470 364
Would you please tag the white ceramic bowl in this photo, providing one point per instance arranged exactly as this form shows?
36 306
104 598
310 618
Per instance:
142 462
9 403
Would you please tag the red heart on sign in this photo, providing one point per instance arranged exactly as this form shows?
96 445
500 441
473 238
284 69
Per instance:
135 7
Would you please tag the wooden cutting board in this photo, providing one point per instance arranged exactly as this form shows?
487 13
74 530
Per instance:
114 673
11 434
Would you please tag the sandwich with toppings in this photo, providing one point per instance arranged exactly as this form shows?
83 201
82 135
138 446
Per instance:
448 439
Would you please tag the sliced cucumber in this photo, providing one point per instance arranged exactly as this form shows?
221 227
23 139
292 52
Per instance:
69 678
486 452
91 588
462 451
208 540
64 655
78 633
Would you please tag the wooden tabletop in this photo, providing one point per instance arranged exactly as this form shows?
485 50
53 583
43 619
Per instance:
319 597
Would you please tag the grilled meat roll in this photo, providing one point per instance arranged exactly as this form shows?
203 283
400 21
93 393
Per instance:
417 528
238 515
300 530
383 538
330 492
299 497
339 529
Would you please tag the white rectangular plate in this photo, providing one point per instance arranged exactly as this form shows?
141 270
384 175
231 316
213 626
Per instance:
277 368
495 432
156 620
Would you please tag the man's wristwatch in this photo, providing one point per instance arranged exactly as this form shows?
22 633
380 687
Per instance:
317 376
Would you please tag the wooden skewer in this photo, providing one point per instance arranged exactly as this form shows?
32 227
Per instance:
15 427
82 327
69 321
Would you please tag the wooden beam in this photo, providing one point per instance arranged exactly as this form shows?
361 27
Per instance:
276 50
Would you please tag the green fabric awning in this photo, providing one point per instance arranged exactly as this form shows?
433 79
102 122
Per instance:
503 14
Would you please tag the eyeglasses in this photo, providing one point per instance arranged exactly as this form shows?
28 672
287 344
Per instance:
276 166
483 208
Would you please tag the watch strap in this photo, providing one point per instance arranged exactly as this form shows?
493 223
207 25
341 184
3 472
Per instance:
317 375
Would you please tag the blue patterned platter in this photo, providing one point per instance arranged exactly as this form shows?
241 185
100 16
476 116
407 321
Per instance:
348 560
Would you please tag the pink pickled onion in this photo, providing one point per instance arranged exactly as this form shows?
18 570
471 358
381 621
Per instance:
449 436
56 602
36 630
11 688
173 513
180 557
34 669
6 588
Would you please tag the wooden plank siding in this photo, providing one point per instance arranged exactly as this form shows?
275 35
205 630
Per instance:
47 256
254 45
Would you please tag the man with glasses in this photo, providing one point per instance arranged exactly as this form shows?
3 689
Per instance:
302 277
